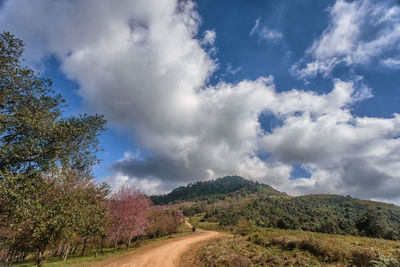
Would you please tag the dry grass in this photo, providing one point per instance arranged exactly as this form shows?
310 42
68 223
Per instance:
237 251
295 248
348 250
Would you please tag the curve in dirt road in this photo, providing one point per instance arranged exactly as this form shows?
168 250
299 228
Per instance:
165 255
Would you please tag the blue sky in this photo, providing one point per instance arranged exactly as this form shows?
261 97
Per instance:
302 95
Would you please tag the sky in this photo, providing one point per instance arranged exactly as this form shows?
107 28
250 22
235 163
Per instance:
301 95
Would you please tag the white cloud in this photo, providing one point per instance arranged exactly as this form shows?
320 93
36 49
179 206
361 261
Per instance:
264 33
149 186
209 37
144 67
359 33
391 63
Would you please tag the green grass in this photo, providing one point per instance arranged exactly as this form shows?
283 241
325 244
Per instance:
73 259
198 222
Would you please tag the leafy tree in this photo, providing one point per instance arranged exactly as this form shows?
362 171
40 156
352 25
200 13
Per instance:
163 221
374 223
46 192
44 211
33 135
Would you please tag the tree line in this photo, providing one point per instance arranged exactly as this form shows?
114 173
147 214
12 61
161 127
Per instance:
49 201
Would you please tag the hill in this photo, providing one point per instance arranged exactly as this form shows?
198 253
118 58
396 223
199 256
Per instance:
214 190
232 200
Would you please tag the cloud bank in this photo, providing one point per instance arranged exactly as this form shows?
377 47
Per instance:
144 65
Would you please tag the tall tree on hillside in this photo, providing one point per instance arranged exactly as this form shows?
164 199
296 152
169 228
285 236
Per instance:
38 147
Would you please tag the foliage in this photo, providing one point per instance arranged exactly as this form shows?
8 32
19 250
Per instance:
317 213
383 261
43 211
164 221
33 135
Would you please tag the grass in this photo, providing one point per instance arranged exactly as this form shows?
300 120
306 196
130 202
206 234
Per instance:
237 251
183 230
198 222
73 259
347 250
295 248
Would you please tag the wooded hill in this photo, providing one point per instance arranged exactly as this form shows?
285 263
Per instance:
232 200
213 190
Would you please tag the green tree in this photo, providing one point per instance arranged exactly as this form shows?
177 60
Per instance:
46 191
374 223
33 135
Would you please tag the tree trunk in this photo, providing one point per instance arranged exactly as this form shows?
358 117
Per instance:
10 257
102 244
129 242
91 248
39 257
75 248
66 251
115 245
116 240
84 247
60 251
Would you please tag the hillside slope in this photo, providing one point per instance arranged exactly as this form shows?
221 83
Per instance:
233 200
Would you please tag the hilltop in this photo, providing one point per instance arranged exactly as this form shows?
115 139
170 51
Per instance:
213 190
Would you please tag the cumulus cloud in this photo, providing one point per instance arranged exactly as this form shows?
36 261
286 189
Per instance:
144 65
359 33
264 33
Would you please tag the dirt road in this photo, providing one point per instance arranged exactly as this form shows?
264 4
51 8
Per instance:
165 254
